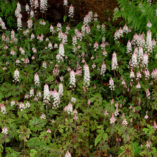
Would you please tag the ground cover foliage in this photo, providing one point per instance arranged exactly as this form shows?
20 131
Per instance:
83 91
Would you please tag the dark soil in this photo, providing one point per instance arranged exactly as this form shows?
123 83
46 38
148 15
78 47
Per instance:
56 10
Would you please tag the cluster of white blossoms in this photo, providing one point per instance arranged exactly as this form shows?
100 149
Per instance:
73 100
31 93
29 23
145 60
27 8
22 50
16 75
72 79
52 29
126 29
27 105
18 15
34 49
60 55
103 69
4 130
12 35
19 21
3 108
85 29
2 24
138 86
71 11
59 27
134 60
140 54
31 14
119 33
149 43
154 74
65 2
12 103
95 17
50 46
96 46
56 98
138 40
44 65
36 79
46 93
18 9
111 84
140 59
88 18
114 61
36 4
55 45
86 75
143 46
74 40
147 74
124 122
138 75
32 3
112 119
116 113
60 90
43 5
67 154
68 108
124 84
148 93
129 47
132 74
23 106
62 37
43 116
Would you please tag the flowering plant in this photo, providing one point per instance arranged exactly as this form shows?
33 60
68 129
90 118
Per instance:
88 90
